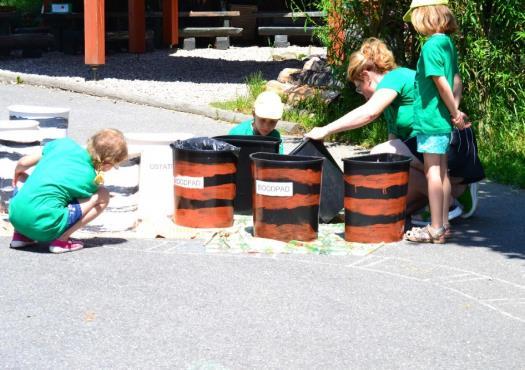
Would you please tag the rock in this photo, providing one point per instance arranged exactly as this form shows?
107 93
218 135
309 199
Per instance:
330 95
284 56
278 87
314 64
299 93
288 75
323 79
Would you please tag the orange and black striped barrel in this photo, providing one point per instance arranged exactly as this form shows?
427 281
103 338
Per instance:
375 197
286 196
204 187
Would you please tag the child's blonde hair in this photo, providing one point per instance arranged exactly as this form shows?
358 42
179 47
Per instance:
431 19
107 146
374 55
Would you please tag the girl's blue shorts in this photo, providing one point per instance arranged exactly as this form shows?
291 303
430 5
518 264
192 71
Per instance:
433 144
75 213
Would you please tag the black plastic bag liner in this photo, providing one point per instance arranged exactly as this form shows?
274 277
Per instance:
205 144
333 189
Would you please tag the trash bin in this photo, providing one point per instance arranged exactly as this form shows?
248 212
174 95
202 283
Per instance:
286 196
248 145
156 172
204 170
13 146
16 125
333 190
122 183
53 121
375 197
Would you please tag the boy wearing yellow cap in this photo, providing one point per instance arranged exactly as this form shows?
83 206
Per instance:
267 110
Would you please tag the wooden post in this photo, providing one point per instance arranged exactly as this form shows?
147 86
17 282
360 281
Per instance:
137 26
94 33
170 20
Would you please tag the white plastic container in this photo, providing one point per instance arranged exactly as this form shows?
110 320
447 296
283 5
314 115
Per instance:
156 172
15 125
13 146
53 121
122 211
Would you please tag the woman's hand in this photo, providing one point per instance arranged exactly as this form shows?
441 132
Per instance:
317 133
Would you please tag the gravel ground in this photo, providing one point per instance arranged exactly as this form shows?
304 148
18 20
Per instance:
195 76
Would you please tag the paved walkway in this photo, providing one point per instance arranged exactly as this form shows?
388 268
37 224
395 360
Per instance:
171 303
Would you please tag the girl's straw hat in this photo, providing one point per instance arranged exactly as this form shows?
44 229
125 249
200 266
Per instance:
417 3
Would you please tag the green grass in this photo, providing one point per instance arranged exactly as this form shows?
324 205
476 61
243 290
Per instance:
244 103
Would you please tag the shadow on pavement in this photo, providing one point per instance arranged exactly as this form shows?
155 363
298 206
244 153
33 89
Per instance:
498 223
156 66
93 242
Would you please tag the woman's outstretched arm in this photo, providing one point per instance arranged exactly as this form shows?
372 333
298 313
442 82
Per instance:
358 117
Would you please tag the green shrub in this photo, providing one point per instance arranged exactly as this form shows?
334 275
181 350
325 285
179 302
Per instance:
492 65
32 6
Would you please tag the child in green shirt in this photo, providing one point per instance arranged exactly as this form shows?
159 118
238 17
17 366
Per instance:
436 100
62 194
267 110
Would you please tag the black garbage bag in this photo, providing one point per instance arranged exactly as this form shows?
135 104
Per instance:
205 144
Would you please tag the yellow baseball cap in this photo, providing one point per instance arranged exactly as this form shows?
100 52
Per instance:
268 105
417 3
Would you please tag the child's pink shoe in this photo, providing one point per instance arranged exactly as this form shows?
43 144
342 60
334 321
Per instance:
60 246
21 241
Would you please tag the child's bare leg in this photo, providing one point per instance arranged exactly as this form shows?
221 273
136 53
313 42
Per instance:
435 188
91 208
446 188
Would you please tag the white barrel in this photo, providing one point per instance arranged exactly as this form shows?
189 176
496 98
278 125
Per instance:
13 146
122 211
53 121
15 125
156 172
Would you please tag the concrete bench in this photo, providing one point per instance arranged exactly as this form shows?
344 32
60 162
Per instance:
221 34
280 31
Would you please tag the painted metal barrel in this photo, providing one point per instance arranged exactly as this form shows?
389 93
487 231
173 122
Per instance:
156 197
375 197
248 144
123 185
204 171
16 125
53 121
13 146
287 193
332 196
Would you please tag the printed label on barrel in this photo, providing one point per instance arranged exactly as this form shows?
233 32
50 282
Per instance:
189 182
274 189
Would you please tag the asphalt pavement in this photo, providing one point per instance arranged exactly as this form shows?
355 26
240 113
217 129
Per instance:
171 304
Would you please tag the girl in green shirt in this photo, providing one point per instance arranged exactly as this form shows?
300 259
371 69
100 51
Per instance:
436 102
62 194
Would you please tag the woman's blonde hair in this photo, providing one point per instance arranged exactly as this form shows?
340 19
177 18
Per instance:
374 55
107 146
431 19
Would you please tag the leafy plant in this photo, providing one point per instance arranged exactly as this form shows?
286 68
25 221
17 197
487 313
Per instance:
492 65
